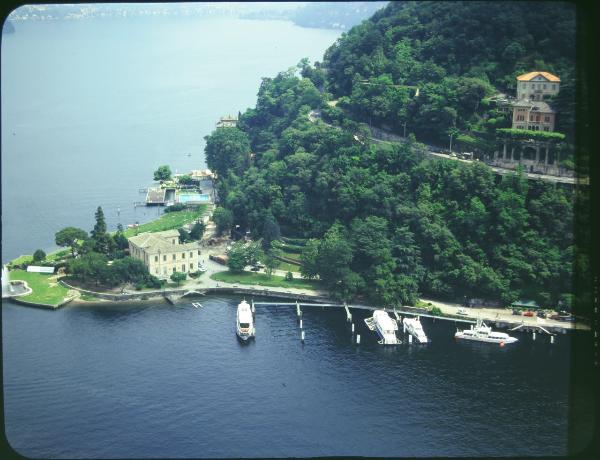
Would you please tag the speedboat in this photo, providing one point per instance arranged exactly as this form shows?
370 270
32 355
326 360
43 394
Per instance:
245 322
483 333
414 328
385 327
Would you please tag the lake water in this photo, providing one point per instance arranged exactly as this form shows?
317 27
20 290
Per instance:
89 110
156 380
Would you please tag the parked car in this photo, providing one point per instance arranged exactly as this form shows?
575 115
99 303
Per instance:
541 314
528 313
255 269
516 312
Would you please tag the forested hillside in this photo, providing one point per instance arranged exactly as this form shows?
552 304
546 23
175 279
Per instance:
387 222
455 53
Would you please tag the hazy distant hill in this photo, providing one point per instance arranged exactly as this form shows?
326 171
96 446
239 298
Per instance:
334 15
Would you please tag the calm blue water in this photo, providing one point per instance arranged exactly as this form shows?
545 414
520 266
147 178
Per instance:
91 108
156 380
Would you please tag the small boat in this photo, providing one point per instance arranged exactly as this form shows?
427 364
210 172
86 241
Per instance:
245 322
414 328
483 333
385 327
462 311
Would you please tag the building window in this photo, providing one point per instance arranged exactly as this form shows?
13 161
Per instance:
174 256
537 118
183 255
174 269
173 241
544 86
191 254
191 266
155 258
530 117
165 258
198 251
183 268
547 119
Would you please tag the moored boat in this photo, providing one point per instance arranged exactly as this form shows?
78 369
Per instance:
244 321
483 333
385 327
414 328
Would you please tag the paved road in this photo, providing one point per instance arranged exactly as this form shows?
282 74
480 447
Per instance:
502 314
315 115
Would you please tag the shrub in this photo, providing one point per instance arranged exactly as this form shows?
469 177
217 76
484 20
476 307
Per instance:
289 276
175 207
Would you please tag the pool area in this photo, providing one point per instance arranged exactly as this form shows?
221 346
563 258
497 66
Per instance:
190 198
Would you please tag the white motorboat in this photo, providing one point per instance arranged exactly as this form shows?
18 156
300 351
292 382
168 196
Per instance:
385 327
483 333
414 328
244 322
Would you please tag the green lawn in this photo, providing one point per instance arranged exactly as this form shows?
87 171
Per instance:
167 221
45 290
291 256
261 279
288 267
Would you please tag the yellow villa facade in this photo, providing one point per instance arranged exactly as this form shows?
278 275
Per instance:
163 255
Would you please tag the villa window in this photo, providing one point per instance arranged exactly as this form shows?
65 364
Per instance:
165 258
183 268
191 254
173 241
183 255
198 251
155 258
544 86
174 269
191 266
547 119
174 256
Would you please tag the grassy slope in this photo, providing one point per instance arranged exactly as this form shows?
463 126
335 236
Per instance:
167 221
45 290
261 279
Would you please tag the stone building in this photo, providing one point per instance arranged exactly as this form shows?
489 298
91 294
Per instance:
533 115
537 86
530 111
162 253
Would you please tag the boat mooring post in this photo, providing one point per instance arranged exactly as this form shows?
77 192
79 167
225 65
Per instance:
403 327
302 335
353 328
534 336
298 311
253 307
300 324
552 339
409 338
357 339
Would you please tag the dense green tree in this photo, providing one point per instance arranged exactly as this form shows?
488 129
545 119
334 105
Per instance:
223 219
197 231
70 236
39 255
120 239
227 149
163 173
103 242
237 257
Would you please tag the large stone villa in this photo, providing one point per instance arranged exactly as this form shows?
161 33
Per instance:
531 111
163 255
